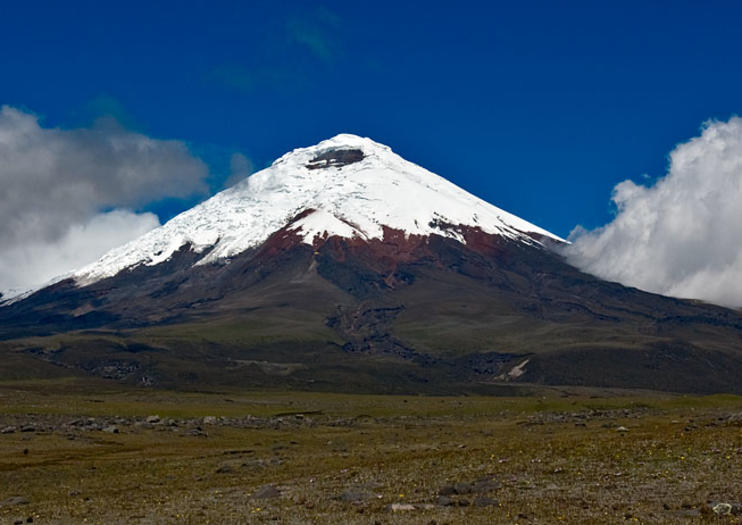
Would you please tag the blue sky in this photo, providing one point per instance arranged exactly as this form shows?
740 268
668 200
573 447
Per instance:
538 108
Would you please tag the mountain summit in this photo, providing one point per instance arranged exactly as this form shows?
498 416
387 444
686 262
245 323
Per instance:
347 186
344 267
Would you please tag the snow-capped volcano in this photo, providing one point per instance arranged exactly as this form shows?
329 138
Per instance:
347 186
343 266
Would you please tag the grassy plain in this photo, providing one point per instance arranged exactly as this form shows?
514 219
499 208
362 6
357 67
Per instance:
85 452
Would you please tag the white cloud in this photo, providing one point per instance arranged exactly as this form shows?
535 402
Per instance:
683 235
26 265
57 184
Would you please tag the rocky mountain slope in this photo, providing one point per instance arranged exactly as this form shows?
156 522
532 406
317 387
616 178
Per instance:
344 267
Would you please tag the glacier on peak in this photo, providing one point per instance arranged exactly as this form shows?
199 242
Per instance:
354 186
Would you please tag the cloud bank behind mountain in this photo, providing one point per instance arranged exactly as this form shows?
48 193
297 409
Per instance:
681 236
69 195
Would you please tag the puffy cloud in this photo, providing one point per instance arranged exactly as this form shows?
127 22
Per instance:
56 185
35 262
683 235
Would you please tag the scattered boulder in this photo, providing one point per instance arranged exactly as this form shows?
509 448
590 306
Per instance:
447 490
400 507
152 420
485 502
722 509
111 429
353 496
8 430
13 501
266 492
209 420
463 488
622 429
254 463
457 488
486 484
224 469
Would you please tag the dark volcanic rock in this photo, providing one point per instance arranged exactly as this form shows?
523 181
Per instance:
351 496
266 492
406 313
486 484
335 158
463 488
445 501
447 490
14 501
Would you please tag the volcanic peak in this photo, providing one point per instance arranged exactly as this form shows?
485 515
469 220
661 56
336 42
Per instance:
356 188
